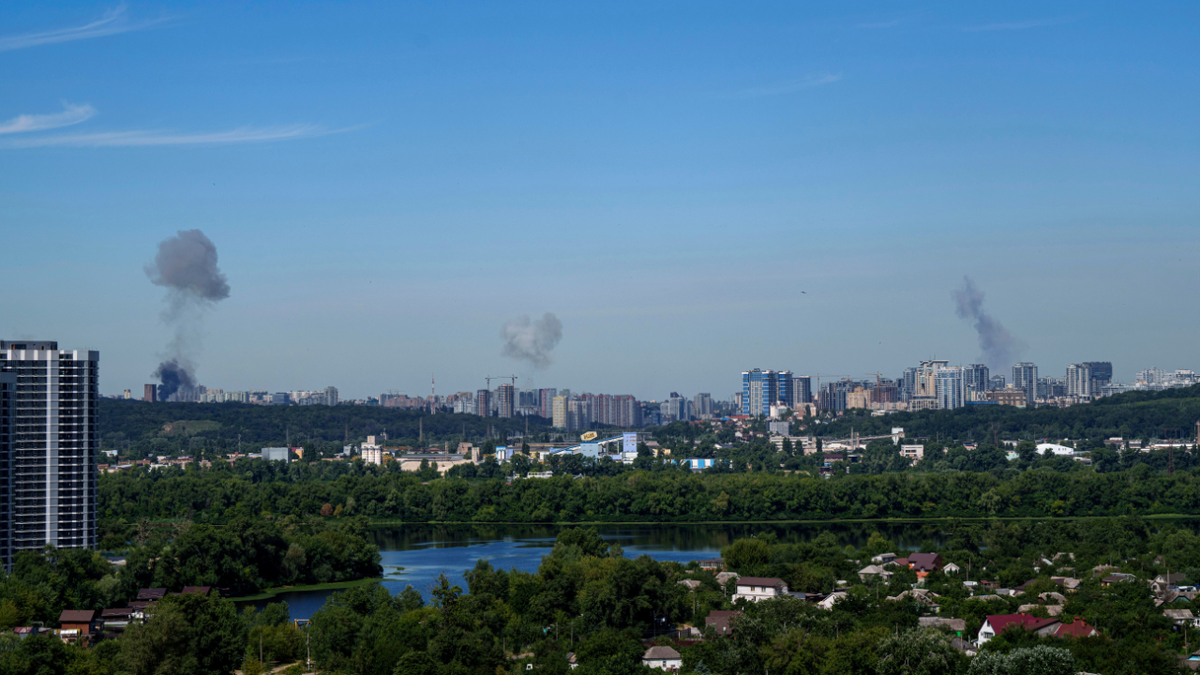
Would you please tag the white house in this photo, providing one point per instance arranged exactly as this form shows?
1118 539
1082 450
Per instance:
874 571
1055 449
831 600
755 589
663 658
951 568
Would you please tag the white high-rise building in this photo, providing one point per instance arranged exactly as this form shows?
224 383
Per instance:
1079 380
1025 377
51 465
950 388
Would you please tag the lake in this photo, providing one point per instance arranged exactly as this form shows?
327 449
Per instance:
416 554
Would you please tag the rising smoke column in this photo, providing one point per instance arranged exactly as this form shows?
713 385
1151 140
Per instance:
528 340
186 265
999 347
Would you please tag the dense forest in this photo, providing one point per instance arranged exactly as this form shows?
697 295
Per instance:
140 429
589 601
662 493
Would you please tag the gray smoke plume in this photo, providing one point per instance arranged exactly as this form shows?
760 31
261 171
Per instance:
173 375
532 341
186 265
999 347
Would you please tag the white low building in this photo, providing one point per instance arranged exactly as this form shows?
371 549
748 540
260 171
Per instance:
756 589
1055 449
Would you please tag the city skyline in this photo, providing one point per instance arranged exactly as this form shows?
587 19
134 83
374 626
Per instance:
405 183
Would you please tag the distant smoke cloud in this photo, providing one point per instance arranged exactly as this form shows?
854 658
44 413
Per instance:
173 375
999 347
532 341
186 265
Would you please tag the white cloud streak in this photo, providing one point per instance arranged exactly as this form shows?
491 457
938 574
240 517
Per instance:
791 86
1019 25
71 114
128 139
113 22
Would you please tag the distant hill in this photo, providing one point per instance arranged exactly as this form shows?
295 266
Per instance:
133 421
1140 414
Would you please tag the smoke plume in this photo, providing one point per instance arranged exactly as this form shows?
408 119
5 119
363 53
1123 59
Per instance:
529 340
173 375
186 265
999 347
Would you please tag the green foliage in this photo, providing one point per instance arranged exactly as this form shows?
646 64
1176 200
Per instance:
186 635
1038 660
918 652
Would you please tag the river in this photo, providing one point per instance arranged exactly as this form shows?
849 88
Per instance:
416 554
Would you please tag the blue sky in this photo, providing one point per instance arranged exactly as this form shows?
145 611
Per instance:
387 184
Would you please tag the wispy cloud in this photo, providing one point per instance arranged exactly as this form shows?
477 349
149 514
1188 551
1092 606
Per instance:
113 22
1020 25
127 139
881 24
791 86
71 114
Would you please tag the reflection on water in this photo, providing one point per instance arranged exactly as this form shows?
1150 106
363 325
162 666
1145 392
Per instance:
416 554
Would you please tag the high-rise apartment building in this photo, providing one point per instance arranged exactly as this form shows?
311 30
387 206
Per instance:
675 409
8 390
802 391
150 393
702 406
908 384
927 377
483 400
579 414
997 382
505 400
950 388
559 412
54 443
1080 380
978 380
1101 375
763 388
546 402
1025 377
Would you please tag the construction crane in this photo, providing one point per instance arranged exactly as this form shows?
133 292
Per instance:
489 379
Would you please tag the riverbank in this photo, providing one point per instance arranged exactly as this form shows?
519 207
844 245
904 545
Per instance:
803 521
335 586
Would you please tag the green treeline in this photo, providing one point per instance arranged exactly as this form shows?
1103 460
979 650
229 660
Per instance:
1133 415
239 557
250 488
142 429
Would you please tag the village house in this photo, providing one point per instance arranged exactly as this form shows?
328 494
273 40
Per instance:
663 658
75 626
756 589
718 620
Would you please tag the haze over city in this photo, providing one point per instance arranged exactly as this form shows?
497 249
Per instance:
687 190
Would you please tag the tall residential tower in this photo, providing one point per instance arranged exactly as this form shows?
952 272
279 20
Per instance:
54 441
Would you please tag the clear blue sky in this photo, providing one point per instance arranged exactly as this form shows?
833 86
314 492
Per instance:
388 183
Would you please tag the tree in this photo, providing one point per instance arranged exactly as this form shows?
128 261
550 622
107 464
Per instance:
919 652
1039 660
186 635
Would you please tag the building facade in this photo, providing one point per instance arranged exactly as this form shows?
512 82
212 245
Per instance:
54 444
762 388
483 402
505 400
1025 377
802 391
950 388
977 380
